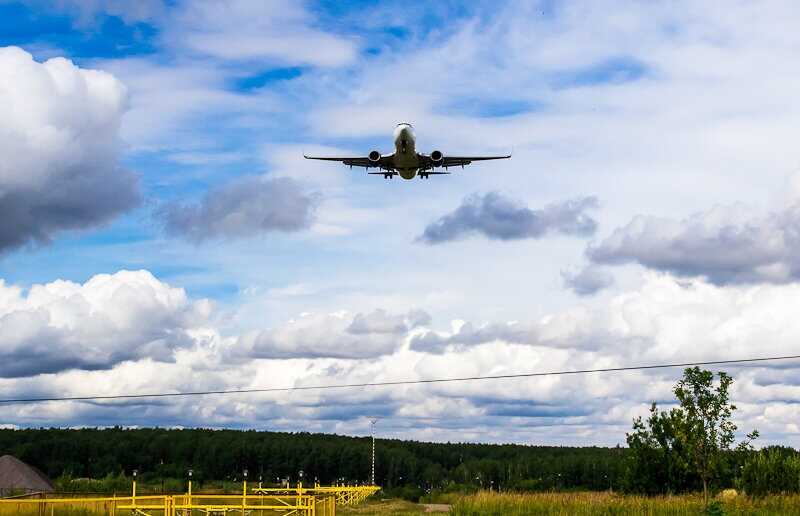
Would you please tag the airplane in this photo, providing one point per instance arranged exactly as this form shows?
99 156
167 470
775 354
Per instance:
405 161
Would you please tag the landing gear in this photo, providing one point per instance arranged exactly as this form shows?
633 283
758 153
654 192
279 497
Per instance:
424 175
388 175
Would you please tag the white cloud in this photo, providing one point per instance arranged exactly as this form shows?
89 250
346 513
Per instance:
59 142
278 32
337 335
109 319
167 100
724 244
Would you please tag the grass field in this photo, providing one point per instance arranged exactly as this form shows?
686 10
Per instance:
582 503
388 507
491 504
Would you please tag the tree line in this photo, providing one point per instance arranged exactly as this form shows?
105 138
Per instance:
215 455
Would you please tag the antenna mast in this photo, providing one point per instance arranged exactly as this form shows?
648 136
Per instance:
372 428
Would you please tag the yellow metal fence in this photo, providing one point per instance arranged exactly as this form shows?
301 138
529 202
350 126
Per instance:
316 501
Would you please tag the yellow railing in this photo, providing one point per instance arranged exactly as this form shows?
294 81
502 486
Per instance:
344 494
290 501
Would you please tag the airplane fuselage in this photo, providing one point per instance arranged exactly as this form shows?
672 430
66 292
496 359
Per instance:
406 160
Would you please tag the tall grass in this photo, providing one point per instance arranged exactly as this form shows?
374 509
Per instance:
591 503
56 511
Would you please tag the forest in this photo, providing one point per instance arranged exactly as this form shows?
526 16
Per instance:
224 454
404 468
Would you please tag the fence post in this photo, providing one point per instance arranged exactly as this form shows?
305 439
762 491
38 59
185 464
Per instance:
134 487
244 491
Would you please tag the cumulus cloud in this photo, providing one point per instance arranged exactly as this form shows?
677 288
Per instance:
58 139
499 218
587 281
336 335
468 335
245 207
726 245
109 319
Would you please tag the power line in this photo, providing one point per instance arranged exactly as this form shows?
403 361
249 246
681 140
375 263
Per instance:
742 361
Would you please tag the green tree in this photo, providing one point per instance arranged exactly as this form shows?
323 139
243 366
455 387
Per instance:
690 445
705 421
659 461
774 469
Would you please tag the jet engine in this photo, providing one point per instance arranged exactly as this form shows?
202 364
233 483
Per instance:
374 156
437 157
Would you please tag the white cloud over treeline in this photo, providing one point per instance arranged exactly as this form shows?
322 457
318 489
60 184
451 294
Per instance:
129 332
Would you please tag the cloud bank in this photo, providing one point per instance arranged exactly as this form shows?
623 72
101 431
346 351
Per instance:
499 218
59 146
131 332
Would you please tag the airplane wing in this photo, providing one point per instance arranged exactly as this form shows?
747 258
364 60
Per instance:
357 161
455 161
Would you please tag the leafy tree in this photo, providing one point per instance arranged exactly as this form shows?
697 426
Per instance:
705 422
689 445
659 461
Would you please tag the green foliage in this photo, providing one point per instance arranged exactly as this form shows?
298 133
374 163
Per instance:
771 470
715 508
689 446
703 421
111 483
219 456
658 462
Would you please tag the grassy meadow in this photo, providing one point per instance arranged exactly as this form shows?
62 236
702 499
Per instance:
592 503
392 507
552 503
583 503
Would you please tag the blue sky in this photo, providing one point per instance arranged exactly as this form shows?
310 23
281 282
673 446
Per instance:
161 230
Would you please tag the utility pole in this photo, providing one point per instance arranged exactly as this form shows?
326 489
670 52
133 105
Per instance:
372 427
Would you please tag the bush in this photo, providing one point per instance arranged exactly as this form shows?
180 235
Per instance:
109 484
771 471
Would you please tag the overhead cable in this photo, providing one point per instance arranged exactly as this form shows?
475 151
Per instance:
740 362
